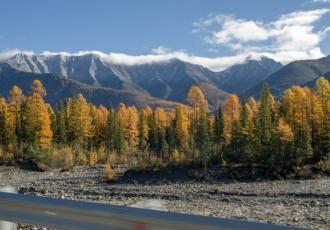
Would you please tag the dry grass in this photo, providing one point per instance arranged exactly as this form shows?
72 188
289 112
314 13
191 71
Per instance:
117 159
93 158
6 155
59 158
109 174
178 158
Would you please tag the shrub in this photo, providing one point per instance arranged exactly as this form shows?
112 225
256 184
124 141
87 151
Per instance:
324 165
55 158
115 158
93 158
177 158
81 158
1 154
109 174
35 153
149 162
102 154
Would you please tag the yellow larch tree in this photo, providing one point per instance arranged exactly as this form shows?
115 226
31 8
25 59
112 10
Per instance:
122 114
37 124
197 99
101 124
145 113
161 117
297 110
284 131
323 99
253 105
79 120
128 119
181 126
323 91
296 107
15 101
131 126
231 114
199 105
4 125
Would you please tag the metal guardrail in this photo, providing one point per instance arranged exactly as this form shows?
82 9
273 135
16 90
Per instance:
72 215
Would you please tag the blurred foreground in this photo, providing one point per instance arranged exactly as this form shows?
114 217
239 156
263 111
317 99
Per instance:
303 203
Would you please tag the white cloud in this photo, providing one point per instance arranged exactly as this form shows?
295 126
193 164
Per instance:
161 50
159 54
162 54
239 30
322 1
9 53
291 37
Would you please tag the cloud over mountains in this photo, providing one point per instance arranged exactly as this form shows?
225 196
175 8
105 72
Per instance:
292 36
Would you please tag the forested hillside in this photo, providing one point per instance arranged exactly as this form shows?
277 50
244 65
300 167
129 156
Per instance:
282 136
295 73
59 88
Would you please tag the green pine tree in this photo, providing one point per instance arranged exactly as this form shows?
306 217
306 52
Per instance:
265 125
265 116
142 136
152 133
218 126
4 135
202 138
60 127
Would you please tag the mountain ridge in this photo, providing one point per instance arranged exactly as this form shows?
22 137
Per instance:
166 80
295 73
253 71
170 80
58 87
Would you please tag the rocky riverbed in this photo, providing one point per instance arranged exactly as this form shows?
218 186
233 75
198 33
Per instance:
303 203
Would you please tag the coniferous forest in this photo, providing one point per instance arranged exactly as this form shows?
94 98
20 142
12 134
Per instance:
282 135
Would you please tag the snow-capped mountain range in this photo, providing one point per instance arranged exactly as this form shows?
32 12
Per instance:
164 79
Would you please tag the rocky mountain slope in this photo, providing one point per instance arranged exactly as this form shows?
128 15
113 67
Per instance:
102 78
168 80
241 77
58 87
295 73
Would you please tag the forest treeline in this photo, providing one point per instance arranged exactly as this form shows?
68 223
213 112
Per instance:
281 136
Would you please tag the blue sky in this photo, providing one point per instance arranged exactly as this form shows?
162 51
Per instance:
214 33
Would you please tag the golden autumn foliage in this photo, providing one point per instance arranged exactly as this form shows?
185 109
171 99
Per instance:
36 117
128 118
93 158
323 91
15 101
161 117
79 119
231 114
197 99
178 158
109 174
101 124
122 114
145 113
297 107
248 130
5 131
284 131
291 132
253 105
181 126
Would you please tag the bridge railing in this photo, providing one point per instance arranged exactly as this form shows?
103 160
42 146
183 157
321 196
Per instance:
72 215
